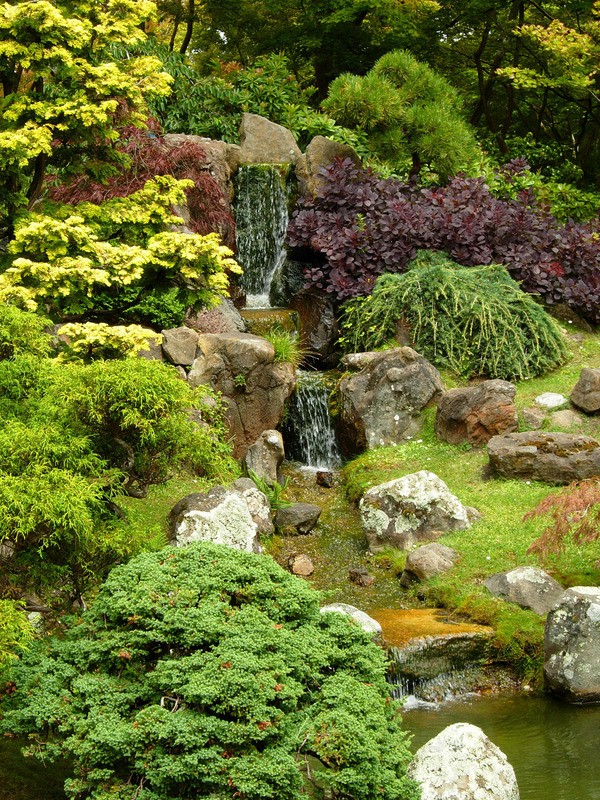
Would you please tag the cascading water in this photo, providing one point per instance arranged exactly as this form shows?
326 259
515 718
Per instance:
438 667
308 433
261 218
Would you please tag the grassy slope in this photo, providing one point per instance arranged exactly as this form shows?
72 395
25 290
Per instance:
499 541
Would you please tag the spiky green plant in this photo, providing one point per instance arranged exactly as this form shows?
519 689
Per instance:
475 321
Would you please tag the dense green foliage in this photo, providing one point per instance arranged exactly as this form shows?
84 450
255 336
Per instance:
212 105
63 92
475 321
15 630
207 672
411 115
73 439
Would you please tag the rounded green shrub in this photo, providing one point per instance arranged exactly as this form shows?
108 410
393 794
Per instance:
475 321
207 672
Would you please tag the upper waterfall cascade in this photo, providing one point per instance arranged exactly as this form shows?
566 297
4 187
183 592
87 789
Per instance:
261 218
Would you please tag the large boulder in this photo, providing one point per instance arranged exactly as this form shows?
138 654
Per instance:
380 404
572 646
426 562
265 142
461 763
320 153
255 388
550 457
220 516
475 414
528 587
224 318
586 392
410 510
265 456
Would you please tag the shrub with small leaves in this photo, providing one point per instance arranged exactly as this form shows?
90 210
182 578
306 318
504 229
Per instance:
203 671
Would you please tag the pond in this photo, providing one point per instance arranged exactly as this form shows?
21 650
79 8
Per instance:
27 778
552 746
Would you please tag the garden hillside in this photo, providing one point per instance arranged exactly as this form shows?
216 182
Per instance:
298 345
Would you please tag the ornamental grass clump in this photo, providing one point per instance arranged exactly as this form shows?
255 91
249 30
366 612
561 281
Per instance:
475 321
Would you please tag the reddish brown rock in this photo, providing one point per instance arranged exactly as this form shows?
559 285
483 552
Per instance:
475 414
255 388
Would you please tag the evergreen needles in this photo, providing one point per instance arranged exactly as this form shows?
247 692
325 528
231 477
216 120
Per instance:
475 321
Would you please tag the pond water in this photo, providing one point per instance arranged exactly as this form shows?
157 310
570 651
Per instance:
27 778
552 746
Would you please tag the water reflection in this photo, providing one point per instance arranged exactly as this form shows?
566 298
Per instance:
552 746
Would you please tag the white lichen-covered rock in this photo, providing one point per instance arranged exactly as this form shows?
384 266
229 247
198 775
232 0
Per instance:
528 587
410 510
461 763
258 504
572 646
550 400
221 516
367 623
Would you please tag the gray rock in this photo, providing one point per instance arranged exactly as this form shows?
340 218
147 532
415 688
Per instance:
153 352
461 763
475 414
380 405
528 587
224 318
534 418
367 623
565 419
265 456
320 153
550 400
409 510
301 565
427 561
572 646
586 392
220 516
179 346
265 142
551 457
242 368
299 518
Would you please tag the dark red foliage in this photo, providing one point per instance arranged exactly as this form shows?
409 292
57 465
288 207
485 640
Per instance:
575 513
362 226
150 155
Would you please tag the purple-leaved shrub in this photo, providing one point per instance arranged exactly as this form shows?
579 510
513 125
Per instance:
361 226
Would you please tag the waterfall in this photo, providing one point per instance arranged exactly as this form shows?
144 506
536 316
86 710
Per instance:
438 667
308 433
261 218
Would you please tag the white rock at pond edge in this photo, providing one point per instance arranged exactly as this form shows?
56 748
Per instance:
461 763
